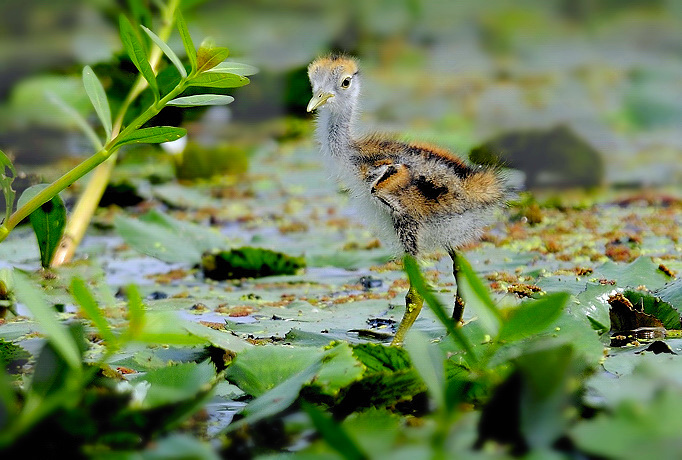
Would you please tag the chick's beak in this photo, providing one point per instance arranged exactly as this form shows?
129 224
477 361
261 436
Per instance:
319 99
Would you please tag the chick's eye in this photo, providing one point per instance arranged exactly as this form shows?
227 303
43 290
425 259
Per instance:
345 83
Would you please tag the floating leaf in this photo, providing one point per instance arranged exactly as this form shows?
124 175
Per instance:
48 222
210 56
176 383
669 316
248 262
137 53
672 293
218 80
98 98
236 68
155 135
277 399
260 369
625 317
167 51
201 99
167 239
186 39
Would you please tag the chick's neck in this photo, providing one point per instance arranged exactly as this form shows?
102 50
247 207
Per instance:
334 131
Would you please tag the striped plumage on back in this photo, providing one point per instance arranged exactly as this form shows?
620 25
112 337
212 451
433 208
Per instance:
425 196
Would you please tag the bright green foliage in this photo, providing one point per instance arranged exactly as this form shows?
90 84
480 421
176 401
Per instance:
6 182
219 80
155 135
98 98
134 133
170 54
48 222
137 53
201 99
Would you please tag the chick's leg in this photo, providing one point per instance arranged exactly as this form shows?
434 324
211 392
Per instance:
413 305
459 302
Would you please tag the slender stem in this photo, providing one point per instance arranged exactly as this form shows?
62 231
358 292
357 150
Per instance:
87 203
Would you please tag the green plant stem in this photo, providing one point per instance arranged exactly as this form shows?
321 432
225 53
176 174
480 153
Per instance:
87 165
92 194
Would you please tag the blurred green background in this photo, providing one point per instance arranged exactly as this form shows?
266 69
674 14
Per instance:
452 72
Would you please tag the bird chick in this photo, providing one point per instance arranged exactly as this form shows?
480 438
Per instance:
420 196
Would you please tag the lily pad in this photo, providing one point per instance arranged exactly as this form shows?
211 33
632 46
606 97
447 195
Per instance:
248 262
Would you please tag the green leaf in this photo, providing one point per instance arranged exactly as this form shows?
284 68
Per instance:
85 299
137 53
75 117
672 293
221 339
651 305
165 328
168 239
154 135
176 383
248 262
176 446
477 298
6 163
48 222
62 341
186 39
428 360
634 430
136 315
335 435
98 98
201 99
260 369
210 56
218 80
6 183
533 317
167 51
236 68
277 399
643 271
339 370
